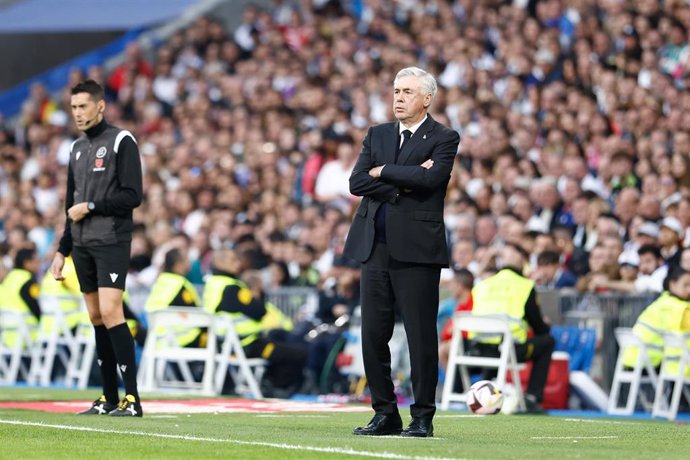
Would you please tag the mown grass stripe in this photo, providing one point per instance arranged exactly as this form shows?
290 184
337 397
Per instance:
326 450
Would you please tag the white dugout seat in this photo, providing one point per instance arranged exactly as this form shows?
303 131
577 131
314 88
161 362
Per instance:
642 373
161 348
485 325
675 371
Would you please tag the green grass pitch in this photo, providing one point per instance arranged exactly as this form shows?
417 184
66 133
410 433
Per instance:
322 435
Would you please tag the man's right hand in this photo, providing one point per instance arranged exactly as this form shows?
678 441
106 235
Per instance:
56 266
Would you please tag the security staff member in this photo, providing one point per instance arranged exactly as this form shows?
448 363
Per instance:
670 312
171 288
510 293
225 293
104 185
21 292
67 291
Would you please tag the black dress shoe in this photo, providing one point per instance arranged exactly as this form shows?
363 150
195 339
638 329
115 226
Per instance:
419 427
532 406
380 425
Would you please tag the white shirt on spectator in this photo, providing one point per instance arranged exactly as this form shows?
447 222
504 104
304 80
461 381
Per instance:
653 282
333 181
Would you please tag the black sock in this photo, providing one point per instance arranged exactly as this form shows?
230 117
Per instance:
123 344
107 363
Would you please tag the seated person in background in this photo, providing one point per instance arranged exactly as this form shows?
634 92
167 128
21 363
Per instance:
338 297
461 287
226 294
650 272
670 312
629 263
171 288
510 293
599 271
550 273
20 292
70 297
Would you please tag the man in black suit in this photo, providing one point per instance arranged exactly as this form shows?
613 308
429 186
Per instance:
399 237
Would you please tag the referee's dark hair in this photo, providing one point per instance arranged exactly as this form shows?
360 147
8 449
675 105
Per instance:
91 87
22 256
172 257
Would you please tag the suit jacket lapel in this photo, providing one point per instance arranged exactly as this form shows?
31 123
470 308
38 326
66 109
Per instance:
389 143
419 136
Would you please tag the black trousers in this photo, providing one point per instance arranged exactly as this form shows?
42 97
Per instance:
285 360
537 349
412 289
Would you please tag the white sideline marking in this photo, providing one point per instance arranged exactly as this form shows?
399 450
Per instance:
291 416
605 422
574 437
327 450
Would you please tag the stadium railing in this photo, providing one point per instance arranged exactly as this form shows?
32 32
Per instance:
298 303
602 311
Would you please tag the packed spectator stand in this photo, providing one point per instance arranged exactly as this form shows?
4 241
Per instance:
573 119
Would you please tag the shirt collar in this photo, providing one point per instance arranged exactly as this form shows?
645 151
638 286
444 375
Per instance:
412 128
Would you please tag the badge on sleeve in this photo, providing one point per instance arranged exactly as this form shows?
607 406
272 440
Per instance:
187 296
244 296
34 290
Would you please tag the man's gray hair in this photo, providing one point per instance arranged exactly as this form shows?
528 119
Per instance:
429 85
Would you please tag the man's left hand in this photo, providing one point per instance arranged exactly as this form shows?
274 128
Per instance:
78 211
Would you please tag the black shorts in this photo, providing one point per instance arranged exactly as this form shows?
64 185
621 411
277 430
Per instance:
101 266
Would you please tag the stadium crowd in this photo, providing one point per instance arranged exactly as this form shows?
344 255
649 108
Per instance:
574 138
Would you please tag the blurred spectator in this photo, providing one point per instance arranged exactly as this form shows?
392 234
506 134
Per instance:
574 113
671 235
600 271
647 266
550 273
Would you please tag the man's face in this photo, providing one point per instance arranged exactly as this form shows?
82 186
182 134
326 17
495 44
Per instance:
667 237
409 104
648 263
86 111
547 272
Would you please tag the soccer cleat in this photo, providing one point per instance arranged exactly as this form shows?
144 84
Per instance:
101 406
128 407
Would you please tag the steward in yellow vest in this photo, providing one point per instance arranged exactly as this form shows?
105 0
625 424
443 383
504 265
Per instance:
70 297
225 293
20 293
670 312
510 294
171 288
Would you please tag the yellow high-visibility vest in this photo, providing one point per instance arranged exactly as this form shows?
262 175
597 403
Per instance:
12 301
247 328
504 293
70 297
665 314
163 292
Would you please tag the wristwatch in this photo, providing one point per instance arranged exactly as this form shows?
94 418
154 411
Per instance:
91 205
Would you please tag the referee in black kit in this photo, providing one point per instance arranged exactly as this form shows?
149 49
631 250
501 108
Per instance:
104 185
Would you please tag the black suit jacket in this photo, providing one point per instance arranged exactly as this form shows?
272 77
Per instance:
415 231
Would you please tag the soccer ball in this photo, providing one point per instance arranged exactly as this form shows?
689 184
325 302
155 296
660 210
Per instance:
484 398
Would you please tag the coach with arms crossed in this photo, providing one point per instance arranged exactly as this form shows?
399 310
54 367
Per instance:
399 237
